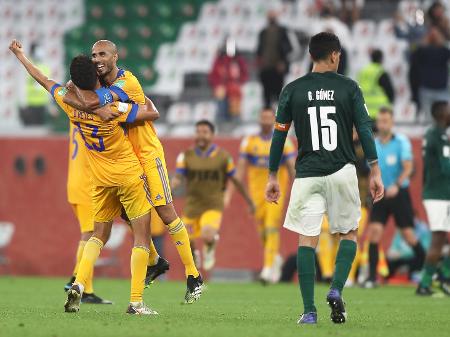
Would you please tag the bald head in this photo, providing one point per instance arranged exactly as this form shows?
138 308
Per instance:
104 56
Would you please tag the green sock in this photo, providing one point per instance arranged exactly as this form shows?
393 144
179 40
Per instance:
344 259
445 267
427 276
306 268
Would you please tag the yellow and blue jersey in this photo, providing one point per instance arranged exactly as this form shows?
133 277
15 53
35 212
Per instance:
79 183
390 158
109 152
142 134
255 150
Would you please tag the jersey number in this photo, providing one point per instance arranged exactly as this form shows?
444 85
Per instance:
328 128
100 147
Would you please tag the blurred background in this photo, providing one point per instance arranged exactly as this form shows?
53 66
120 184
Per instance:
195 59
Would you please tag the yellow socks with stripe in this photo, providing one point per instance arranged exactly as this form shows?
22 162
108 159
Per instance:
180 238
90 254
271 246
153 254
80 250
138 264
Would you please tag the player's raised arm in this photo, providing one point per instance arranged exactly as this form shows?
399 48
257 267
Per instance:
17 49
363 125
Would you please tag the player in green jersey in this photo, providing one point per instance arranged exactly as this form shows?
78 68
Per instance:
324 107
436 197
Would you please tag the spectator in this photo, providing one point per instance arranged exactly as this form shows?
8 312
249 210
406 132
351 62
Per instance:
437 19
428 73
37 98
376 84
273 49
396 164
228 74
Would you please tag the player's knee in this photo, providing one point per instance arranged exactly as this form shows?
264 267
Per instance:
375 232
352 235
167 213
85 236
102 231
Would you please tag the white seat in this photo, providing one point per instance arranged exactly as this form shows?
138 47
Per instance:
246 130
179 113
182 131
6 233
205 110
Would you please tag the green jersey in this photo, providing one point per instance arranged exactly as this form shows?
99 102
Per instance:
324 107
436 165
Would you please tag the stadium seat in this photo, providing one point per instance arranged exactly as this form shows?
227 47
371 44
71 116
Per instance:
246 130
205 110
251 101
180 113
183 131
6 234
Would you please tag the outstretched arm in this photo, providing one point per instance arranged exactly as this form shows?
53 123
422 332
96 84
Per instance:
17 49
241 189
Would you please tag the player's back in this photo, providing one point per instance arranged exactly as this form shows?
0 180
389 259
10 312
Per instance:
322 107
206 177
109 152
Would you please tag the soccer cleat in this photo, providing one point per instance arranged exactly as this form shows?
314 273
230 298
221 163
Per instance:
73 299
444 285
194 289
209 256
424 291
308 318
69 284
140 308
368 284
93 299
154 271
337 305
265 276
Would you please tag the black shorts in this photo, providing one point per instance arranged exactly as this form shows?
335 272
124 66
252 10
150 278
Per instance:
400 207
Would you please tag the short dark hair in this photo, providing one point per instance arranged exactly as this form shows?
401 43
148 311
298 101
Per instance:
207 123
437 108
322 45
376 56
83 72
386 110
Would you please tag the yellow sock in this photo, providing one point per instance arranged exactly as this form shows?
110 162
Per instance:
180 238
89 287
138 263
271 246
80 249
90 254
153 254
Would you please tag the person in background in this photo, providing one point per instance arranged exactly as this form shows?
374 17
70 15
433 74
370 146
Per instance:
272 52
229 72
436 197
37 99
428 72
436 18
376 84
396 163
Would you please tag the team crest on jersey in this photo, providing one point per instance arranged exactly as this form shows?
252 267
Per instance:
62 92
158 197
178 243
119 84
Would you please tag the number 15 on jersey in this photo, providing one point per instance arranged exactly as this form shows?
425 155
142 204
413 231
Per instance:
328 128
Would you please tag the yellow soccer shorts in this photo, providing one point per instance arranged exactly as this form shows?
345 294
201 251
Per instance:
210 218
134 196
158 180
85 217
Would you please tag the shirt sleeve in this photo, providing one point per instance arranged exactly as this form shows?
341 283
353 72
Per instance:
129 111
406 151
244 148
283 122
128 88
58 92
363 124
181 164
231 168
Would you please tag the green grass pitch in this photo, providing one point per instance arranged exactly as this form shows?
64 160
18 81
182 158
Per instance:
34 307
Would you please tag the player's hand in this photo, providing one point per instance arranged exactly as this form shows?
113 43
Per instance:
392 191
16 47
70 85
106 113
375 183
272 190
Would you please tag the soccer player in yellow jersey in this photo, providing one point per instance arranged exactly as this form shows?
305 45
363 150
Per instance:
206 169
118 179
122 85
79 197
254 160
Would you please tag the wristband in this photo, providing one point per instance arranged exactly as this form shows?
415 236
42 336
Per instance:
104 96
